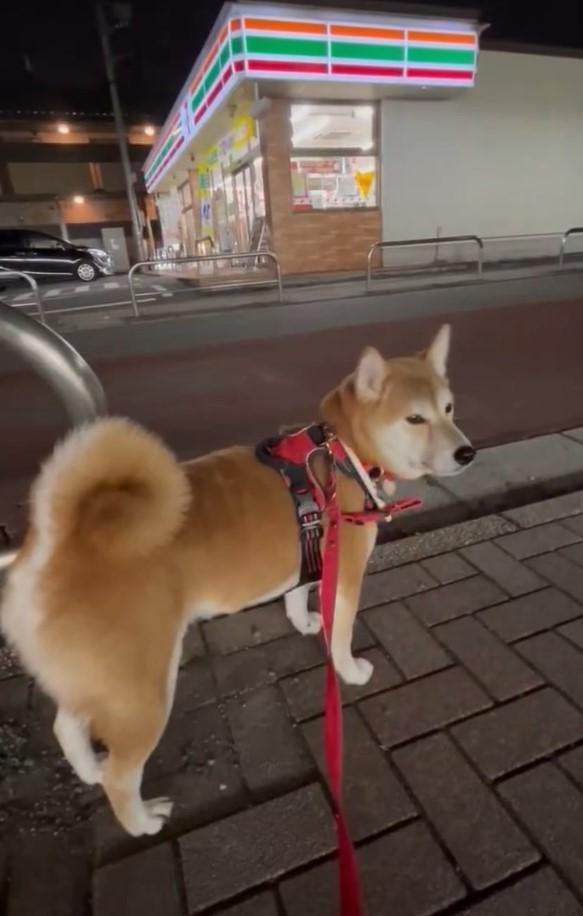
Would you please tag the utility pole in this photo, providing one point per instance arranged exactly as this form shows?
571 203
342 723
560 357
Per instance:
119 127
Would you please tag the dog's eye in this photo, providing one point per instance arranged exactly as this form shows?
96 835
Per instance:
416 419
449 408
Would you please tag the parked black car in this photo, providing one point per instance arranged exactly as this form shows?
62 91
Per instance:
41 254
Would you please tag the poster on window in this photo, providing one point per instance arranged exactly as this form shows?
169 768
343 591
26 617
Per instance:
364 182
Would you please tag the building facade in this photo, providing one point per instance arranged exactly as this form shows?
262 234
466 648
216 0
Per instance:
61 173
321 131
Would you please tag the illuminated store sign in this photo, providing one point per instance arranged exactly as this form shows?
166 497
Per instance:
360 49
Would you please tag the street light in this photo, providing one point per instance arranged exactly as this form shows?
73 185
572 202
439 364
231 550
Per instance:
63 128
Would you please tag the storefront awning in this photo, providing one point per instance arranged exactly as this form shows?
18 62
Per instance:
259 42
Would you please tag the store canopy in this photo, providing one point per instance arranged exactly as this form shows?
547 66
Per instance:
321 52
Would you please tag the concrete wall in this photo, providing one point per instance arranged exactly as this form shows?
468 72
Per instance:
503 158
63 178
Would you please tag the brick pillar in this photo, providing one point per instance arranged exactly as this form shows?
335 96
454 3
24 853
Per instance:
276 150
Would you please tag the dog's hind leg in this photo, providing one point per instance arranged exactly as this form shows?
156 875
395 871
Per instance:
296 607
72 734
130 740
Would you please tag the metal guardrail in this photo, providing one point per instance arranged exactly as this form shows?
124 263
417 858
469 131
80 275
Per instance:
522 236
59 364
412 243
208 258
576 230
33 285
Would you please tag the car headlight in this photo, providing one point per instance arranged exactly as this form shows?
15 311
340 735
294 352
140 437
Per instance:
99 254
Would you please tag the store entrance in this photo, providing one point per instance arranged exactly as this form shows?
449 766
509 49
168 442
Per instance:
238 201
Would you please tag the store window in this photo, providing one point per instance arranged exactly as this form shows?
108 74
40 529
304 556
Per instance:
232 197
334 162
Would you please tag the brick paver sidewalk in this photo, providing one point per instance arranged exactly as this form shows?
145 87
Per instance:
464 769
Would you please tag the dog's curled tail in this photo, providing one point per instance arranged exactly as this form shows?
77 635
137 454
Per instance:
112 487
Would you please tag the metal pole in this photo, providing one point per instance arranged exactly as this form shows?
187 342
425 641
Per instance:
33 285
56 361
59 364
278 276
131 273
480 245
119 127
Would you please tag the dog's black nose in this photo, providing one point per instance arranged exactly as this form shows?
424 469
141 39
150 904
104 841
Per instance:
465 455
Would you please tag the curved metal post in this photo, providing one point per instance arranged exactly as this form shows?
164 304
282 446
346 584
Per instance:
576 230
414 243
205 259
59 364
33 285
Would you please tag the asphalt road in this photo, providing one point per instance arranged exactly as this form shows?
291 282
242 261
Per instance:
516 370
68 295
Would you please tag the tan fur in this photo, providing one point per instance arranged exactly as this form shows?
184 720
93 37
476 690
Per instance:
127 547
119 490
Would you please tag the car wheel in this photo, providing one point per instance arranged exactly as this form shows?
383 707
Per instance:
85 271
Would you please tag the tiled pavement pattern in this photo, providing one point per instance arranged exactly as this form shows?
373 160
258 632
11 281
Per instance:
464 754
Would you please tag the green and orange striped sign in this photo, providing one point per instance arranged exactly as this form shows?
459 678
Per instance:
342 52
326 49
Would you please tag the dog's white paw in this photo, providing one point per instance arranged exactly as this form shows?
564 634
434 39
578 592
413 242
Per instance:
308 623
90 771
152 818
358 671
311 624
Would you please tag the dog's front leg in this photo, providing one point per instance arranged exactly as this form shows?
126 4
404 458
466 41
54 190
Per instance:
296 607
356 544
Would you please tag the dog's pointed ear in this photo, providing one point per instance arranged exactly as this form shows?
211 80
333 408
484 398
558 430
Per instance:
370 375
438 352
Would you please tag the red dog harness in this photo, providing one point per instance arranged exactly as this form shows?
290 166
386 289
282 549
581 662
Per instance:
292 455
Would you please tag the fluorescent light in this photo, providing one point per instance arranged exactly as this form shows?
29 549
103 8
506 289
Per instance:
310 129
299 112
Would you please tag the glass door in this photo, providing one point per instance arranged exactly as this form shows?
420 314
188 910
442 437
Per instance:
241 226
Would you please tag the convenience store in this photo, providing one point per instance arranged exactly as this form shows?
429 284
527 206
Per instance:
319 131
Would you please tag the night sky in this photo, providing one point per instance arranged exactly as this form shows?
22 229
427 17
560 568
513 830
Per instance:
50 58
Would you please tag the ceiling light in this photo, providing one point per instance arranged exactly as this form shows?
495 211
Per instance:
149 130
311 130
78 199
63 128
299 112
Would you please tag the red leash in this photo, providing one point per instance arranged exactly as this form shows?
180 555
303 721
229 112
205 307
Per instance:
290 455
349 882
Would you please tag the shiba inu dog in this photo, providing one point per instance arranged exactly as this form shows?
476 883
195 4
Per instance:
126 547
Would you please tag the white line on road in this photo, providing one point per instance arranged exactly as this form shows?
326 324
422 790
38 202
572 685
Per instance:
111 284
21 297
51 293
162 290
82 289
98 305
